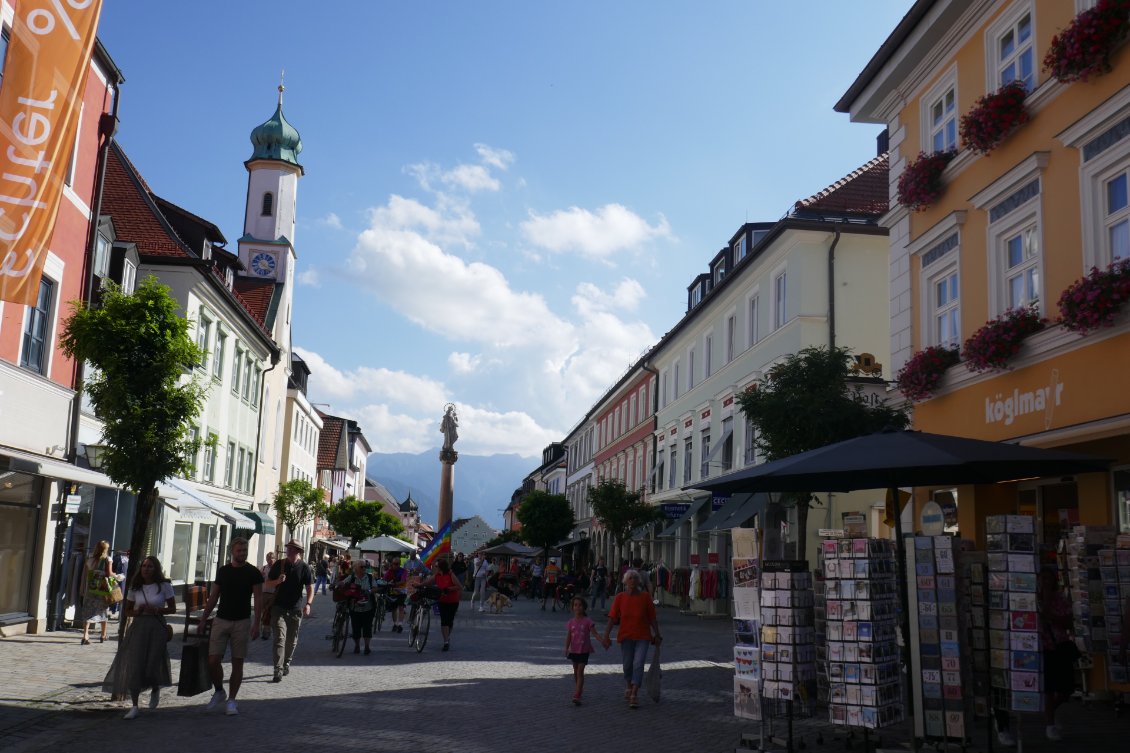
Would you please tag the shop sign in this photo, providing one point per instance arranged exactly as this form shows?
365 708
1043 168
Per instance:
854 524
695 559
1004 408
712 558
830 533
932 519
674 510
717 501
72 504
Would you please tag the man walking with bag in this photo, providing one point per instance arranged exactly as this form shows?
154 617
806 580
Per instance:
236 584
294 593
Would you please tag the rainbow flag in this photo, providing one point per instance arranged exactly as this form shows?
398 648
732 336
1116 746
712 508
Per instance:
441 544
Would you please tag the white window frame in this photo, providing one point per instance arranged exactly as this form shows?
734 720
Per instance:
1025 228
632 415
752 307
707 356
780 298
690 368
209 464
934 312
944 85
229 465
741 248
219 353
1008 22
696 295
203 338
731 336
675 379
950 225
50 325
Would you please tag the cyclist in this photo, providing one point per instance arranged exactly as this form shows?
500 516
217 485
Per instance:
361 608
450 588
397 578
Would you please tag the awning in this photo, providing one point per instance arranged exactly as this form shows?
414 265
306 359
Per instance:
222 509
263 522
27 463
736 512
690 513
342 545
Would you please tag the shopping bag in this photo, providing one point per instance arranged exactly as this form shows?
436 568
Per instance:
651 682
194 678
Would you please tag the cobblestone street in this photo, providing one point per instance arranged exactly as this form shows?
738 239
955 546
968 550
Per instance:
504 686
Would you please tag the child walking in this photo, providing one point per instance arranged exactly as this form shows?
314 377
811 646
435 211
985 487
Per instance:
579 632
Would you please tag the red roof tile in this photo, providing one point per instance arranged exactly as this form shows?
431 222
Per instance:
863 191
329 441
136 218
255 295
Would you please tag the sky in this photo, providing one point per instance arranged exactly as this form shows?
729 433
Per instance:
504 201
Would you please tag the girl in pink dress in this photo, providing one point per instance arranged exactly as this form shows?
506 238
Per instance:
579 632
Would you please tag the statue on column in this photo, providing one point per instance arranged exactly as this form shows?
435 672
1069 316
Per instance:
450 429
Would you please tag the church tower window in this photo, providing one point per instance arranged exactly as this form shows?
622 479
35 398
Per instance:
268 204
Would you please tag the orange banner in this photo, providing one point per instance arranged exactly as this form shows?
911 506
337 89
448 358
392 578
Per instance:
44 77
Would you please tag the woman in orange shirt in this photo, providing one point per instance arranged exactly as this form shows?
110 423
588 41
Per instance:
634 611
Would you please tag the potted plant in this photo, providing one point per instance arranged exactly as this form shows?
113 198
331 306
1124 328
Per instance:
993 117
1095 300
919 377
1083 49
920 184
995 344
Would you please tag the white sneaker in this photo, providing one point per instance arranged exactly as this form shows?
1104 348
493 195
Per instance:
154 698
232 709
1006 740
218 697
1054 733
132 713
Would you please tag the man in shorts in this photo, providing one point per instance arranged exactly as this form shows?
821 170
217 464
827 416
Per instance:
236 585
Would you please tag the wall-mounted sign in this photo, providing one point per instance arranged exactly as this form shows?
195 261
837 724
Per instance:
72 504
717 501
1005 408
674 510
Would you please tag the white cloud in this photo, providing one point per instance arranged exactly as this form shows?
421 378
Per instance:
368 383
471 178
500 158
332 220
599 234
590 299
309 277
464 363
450 222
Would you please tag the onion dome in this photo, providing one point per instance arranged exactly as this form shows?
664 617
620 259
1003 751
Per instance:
276 139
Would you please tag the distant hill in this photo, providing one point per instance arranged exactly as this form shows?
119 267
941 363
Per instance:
483 483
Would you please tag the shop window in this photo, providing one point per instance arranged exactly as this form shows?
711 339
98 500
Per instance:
1122 498
178 561
204 542
20 498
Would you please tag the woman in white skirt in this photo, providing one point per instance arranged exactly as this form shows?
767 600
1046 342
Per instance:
143 655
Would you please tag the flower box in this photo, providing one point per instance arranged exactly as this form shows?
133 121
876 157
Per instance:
919 377
1097 299
920 184
999 340
1083 49
994 117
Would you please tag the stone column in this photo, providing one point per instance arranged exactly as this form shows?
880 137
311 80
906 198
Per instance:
447 458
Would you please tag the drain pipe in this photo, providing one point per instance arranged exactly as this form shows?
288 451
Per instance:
832 290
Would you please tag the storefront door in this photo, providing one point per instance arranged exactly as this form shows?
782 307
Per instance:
20 496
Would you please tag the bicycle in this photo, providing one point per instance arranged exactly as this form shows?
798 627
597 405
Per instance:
420 617
340 632
385 603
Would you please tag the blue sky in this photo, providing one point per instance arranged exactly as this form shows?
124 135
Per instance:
504 201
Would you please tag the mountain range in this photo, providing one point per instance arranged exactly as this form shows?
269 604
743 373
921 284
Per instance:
483 483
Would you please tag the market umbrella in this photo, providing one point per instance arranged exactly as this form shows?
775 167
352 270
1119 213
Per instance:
510 549
386 544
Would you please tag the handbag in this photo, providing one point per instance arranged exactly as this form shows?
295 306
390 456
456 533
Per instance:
194 678
651 681
115 595
168 633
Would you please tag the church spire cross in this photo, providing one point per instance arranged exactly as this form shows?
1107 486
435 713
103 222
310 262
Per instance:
282 88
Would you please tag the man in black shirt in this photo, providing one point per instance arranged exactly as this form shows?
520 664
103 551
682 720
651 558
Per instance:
294 593
236 584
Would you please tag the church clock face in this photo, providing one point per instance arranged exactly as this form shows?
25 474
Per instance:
263 264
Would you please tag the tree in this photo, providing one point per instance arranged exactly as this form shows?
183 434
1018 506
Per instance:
139 348
806 402
546 519
620 511
359 520
504 537
297 502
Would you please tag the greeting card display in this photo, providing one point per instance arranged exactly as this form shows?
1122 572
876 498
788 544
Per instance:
788 634
1114 569
1015 666
861 656
748 671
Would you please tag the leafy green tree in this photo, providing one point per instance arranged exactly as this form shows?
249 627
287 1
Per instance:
504 537
619 510
806 402
297 502
359 520
546 519
139 348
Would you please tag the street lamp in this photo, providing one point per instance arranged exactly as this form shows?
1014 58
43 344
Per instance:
95 456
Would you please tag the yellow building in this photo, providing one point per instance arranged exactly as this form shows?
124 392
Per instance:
1011 228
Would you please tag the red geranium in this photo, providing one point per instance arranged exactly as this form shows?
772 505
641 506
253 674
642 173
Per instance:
1095 300
920 184
993 117
920 376
1083 49
995 344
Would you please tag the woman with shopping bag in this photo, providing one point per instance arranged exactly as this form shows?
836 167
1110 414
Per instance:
96 589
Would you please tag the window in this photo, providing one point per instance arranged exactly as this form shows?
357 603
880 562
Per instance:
236 369
740 249
72 162
779 302
229 464
101 256
1021 268
707 356
129 275
696 295
256 376
3 51
688 459
632 421
676 380
663 391
247 377
35 350
750 442
731 327
178 561
946 306
190 460
645 405
1116 220
690 369
268 204
616 423
239 468
671 468
720 272
728 443
943 121
249 474
218 354
1013 52
210 458
203 336
704 454
753 321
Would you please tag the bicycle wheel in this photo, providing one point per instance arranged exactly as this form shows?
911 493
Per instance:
379 616
341 634
420 626
412 624
336 632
